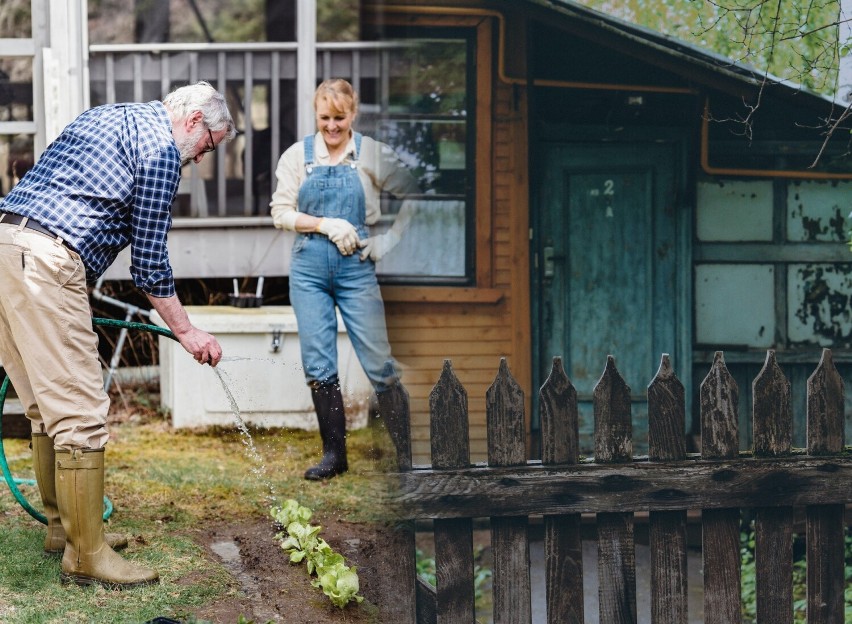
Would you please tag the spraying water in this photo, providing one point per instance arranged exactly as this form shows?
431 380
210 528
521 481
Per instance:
259 468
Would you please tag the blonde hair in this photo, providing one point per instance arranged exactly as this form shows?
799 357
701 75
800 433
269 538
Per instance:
339 95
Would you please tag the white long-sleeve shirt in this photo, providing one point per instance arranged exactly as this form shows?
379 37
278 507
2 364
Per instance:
379 169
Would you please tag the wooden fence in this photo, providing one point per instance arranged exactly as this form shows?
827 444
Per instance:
772 480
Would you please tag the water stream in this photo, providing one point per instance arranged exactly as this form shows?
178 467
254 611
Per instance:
259 467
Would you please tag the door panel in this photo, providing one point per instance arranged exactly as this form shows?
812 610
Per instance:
607 268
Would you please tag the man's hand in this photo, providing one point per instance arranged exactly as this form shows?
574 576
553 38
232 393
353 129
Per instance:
340 232
202 346
376 247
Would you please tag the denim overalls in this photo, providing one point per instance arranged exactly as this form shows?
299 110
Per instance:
320 277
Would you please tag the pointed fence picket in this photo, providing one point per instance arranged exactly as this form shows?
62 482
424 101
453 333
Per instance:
773 481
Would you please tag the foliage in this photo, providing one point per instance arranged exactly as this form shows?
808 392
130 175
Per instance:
15 18
794 40
111 21
302 541
337 20
800 580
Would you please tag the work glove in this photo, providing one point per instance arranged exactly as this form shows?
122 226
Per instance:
377 246
340 232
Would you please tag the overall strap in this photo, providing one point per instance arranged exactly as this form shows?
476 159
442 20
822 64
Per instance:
309 150
358 138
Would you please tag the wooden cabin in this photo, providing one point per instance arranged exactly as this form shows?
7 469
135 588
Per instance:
616 206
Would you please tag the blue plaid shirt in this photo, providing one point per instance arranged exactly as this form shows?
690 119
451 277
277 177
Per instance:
106 182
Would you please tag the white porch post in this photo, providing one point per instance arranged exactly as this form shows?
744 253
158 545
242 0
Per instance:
65 65
306 71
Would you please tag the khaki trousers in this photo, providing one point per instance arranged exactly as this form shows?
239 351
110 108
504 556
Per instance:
47 344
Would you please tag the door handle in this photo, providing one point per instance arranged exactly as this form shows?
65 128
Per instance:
549 259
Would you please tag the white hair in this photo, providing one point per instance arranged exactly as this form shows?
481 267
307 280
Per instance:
202 97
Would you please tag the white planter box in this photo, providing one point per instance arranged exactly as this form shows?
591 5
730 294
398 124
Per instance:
268 385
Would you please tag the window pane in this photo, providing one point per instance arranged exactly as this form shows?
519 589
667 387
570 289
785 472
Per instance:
16 89
16 158
15 19
425 120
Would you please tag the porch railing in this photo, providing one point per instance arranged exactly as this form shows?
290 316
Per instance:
260 80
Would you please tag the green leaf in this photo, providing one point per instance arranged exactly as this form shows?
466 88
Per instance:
302 542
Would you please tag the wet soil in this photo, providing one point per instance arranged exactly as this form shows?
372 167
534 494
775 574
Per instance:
273 590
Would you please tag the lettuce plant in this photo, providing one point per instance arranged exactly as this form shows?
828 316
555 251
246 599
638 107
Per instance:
302 542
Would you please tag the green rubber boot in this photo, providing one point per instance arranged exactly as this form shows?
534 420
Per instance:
44 465
88 559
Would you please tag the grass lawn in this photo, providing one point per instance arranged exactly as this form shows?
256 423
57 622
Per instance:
165 486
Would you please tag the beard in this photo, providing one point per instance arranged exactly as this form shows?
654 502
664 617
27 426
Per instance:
188 146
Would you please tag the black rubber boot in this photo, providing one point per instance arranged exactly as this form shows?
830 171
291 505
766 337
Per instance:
328 402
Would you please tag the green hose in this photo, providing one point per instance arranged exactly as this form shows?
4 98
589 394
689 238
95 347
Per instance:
11 481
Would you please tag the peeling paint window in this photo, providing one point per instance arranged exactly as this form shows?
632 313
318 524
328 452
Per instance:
735 305
818 211
820 304
803 299
734 210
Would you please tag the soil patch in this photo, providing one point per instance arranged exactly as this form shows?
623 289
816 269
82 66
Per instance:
273 589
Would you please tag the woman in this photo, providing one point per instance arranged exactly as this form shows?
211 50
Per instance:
329 189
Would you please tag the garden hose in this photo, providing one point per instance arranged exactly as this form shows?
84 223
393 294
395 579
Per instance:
13 482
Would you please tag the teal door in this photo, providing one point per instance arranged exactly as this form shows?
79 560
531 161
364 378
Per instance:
607 269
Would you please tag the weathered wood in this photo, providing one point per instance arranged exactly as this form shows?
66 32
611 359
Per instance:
773 479
720 528
563 550
825 408
669 574
449 421
454 570
773 435
667 529
772 415
400 549
616 548
563 554
453 538
720 547
656 486
666 415
773 563
719 397
427 607
616 568
613 425
825 523
505 420
559 418
509 540
825 553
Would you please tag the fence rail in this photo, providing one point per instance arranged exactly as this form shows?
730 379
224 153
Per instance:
772 480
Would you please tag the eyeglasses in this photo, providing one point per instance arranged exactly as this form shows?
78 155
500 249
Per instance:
212 143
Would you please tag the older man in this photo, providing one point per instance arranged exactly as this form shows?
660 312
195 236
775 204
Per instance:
107 182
